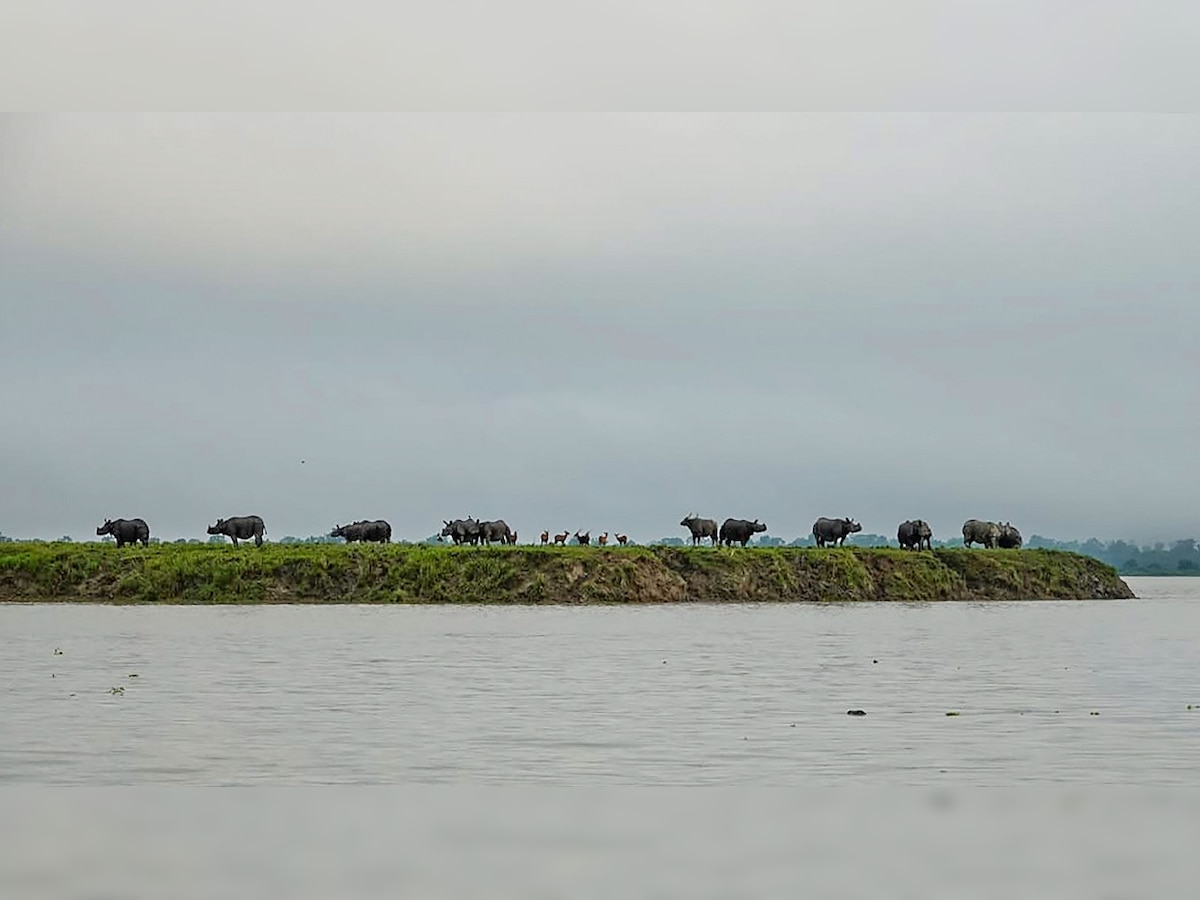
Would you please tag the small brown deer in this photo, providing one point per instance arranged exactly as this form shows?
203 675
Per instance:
561 538
545 538
622 539
603 539
512 538
585 538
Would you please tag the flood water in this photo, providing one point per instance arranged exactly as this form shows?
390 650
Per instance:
1092 692
433 706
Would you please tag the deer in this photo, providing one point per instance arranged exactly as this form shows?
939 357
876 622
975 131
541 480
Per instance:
545 538
622 539
562 538
585 538
603 539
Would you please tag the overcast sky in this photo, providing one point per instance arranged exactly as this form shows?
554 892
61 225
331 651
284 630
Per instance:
601 321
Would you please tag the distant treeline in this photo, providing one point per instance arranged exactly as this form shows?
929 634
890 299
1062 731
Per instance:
1181 557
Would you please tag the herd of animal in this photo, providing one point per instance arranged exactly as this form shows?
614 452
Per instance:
914 534
133 531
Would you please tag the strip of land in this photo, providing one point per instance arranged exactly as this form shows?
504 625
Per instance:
417 573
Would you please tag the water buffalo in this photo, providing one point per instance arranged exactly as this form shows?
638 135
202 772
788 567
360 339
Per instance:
490 532
700 529
977 531
915 534
834 531
1009 538
240 527
378 531
462 531
739 531
126 531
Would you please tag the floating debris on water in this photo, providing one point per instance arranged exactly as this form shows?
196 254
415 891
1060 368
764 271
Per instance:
57 652
953 713
133 675
856 712
116 690
1093 713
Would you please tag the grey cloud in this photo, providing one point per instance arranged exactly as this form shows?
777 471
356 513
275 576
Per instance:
1020 55
599 321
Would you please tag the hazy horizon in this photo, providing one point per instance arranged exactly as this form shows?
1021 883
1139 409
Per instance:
600 321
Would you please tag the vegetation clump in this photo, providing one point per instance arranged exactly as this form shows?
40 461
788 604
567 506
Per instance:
420 573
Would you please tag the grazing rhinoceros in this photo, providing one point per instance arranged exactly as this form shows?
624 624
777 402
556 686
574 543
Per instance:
377 531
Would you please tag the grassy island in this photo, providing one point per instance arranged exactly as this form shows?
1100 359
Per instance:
404 573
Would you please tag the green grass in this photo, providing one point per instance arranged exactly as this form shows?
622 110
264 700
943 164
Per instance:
403 573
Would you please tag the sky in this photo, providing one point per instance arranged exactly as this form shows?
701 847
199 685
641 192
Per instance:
601 321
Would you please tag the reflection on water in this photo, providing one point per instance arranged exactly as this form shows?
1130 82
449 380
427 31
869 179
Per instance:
681 695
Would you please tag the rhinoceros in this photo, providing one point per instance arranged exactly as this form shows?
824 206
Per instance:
1009 538
240 527
377 531
739 531
915 534
977 531
834 531
462 531
126 531
497 530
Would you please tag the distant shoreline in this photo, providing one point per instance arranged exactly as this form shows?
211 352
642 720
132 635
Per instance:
421 573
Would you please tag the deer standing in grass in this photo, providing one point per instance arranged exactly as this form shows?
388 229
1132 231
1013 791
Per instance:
545 538
561 538
585 538
622 539
603 539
